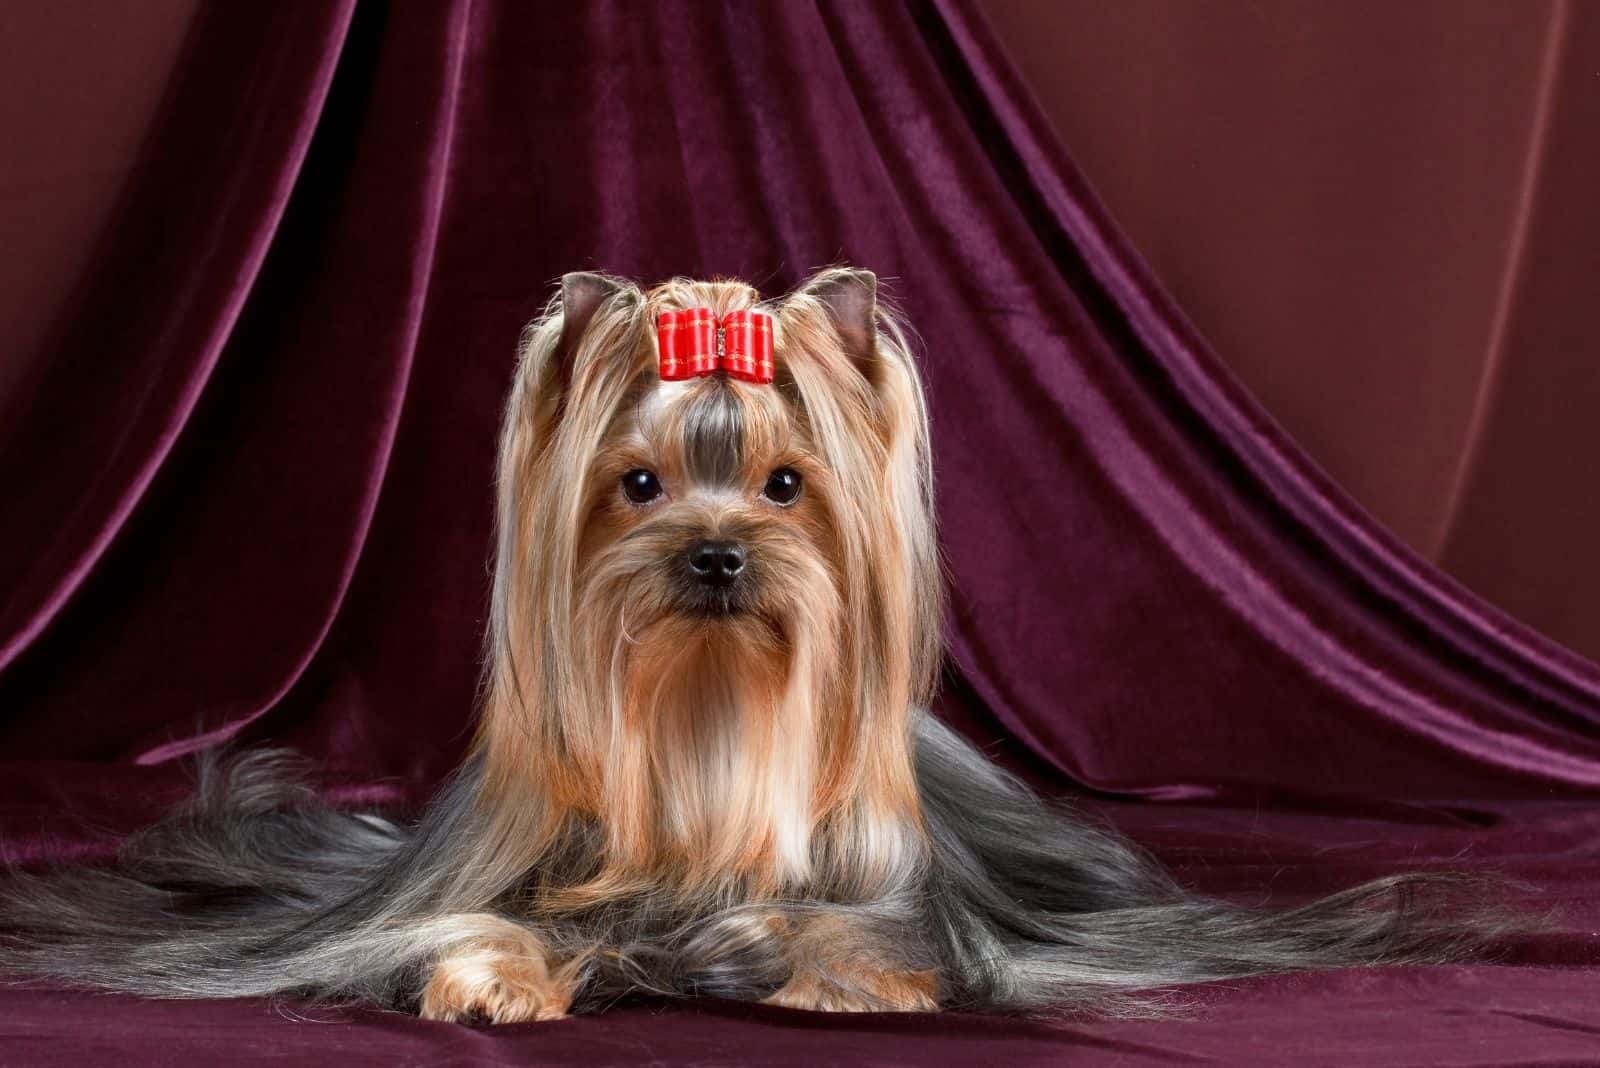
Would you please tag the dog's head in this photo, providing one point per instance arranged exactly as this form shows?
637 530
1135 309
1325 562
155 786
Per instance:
713 593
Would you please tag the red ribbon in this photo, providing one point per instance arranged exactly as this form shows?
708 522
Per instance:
694 342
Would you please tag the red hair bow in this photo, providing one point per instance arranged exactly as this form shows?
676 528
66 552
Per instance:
695 342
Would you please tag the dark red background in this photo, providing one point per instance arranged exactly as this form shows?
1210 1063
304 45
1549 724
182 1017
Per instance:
247 486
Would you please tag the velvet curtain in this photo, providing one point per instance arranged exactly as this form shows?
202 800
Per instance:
1382 216
248 496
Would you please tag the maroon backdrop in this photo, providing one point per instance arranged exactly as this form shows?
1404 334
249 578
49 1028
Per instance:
248 497
1382 216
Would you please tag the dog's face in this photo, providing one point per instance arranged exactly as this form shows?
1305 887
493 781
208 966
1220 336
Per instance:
712 495
710 520
716 599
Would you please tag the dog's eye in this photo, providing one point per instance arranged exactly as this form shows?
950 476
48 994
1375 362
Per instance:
783 486
641 486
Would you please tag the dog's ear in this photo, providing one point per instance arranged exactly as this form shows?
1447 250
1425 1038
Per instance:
552 360
851 297
582 294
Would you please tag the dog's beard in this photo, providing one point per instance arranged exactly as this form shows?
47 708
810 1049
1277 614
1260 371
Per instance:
710 709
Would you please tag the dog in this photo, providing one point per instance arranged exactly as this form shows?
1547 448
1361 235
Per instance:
704 761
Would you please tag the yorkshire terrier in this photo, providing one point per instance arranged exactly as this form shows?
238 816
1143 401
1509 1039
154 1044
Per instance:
704 763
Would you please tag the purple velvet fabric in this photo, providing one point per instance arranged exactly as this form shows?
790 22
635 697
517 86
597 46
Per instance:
249 498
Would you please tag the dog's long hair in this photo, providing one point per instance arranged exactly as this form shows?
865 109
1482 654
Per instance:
662 791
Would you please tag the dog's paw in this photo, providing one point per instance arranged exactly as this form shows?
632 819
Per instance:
859 991
496 988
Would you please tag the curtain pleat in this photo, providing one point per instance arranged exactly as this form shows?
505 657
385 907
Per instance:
253 491
134 360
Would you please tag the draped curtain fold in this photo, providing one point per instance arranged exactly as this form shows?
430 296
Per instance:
250 493
132 362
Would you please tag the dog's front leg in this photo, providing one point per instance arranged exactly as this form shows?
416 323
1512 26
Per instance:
495 971
836 966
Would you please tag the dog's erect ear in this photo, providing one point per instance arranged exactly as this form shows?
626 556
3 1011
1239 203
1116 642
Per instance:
851 297
582 293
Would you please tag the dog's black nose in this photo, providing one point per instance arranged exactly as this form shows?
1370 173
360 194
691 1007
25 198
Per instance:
716 563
